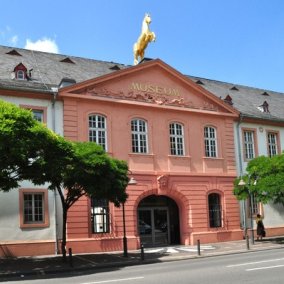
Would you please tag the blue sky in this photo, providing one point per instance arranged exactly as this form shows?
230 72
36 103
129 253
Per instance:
237 41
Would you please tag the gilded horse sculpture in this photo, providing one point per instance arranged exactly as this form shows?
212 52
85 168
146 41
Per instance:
143 40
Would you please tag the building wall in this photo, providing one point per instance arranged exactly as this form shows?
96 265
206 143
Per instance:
187 179
16 240
273 214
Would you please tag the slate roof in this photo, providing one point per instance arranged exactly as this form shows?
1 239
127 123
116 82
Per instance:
247 100
49 70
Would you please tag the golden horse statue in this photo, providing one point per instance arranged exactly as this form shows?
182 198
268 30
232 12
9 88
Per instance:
143 40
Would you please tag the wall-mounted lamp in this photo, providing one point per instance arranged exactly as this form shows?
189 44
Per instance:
132 181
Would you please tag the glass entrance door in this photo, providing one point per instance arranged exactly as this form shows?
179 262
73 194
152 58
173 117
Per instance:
153 226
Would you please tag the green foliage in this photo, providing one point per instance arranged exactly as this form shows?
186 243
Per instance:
96 174
30 151
16 144
269 175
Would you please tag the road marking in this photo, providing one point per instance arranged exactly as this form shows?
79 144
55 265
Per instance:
267 267
114 280
256 262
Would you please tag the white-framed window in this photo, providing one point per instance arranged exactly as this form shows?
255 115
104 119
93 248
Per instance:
272 144
176 139
210 141
38 115
100 216
33 208
20 75
253 205
98 130
139 136
249 144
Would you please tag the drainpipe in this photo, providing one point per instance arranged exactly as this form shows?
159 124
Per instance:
55 93
243 207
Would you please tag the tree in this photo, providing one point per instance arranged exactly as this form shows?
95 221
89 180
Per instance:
23 141
92 173
269 175
30 151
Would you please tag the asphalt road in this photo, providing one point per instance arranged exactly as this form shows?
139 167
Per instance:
254 267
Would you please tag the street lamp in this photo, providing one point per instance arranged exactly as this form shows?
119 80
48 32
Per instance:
132 181
243 183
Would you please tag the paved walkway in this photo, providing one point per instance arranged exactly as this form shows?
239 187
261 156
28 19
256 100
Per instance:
24 267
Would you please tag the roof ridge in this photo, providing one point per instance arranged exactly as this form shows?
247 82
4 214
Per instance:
235 84
63 55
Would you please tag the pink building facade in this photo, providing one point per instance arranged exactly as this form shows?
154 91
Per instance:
178 140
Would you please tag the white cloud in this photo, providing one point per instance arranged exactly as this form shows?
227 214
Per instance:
44 44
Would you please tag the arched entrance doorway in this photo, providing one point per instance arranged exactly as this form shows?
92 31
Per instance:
158 221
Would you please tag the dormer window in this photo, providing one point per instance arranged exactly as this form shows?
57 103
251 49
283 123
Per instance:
229 100
20 72
234 88
20 75
67 60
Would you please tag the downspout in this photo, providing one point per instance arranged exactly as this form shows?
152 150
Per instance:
55 93
243 207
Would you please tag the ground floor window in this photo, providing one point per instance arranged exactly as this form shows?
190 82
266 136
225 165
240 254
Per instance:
100 215
215 210
34 208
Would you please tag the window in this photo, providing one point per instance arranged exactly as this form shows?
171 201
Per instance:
249 144
176 139
20 72
100 215
215 210
38 115
210 141
272 144
98 130
20 75
33 208
139 136
253 205
39 112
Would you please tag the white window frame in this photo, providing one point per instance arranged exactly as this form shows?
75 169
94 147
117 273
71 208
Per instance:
176 139
33 208
272 142
100 214
38 115
249 147
139 136
98 130
21 75
210 141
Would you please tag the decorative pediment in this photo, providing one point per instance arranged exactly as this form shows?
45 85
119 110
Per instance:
153 82
168 97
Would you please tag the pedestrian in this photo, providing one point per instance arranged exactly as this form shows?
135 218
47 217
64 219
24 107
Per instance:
260 230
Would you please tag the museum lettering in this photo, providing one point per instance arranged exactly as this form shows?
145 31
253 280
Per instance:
150 88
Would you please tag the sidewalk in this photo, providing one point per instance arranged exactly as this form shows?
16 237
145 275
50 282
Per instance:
48 265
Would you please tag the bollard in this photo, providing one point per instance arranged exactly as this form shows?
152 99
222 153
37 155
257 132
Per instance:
142 252
247 241
198 247
70 257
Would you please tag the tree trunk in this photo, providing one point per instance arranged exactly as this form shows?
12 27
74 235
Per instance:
64 222
63 243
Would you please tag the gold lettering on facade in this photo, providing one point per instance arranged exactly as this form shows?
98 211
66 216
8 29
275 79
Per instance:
150 88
